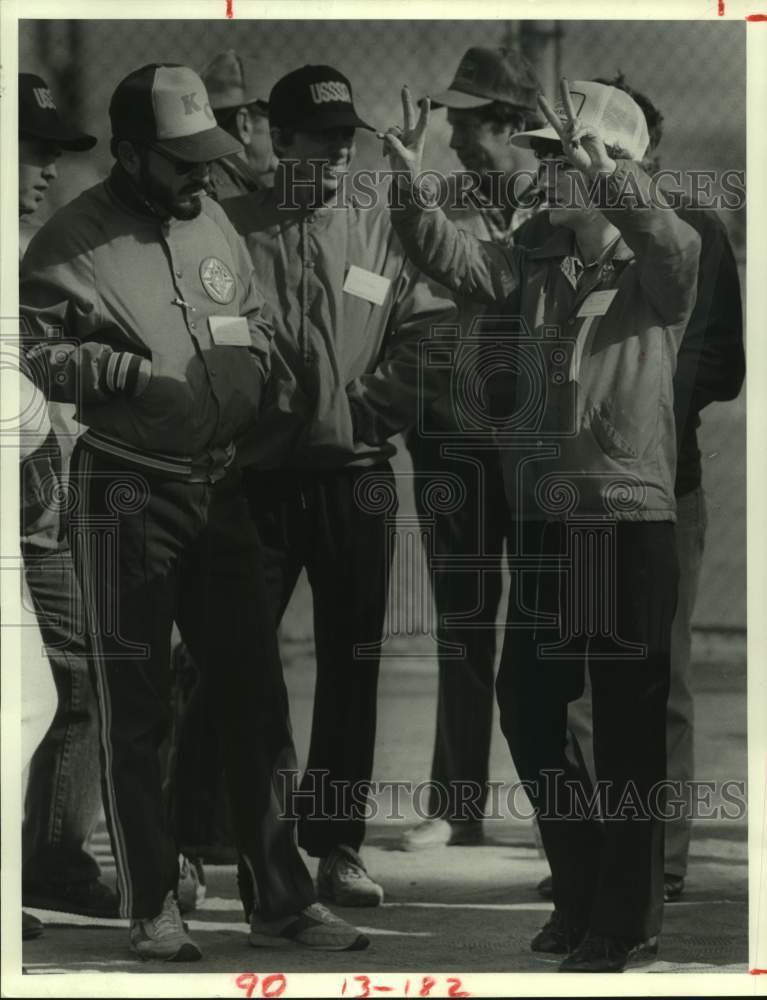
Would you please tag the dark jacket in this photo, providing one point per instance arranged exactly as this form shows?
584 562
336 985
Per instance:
123 314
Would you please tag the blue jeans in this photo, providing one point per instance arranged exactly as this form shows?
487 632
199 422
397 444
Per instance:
63 801
680 765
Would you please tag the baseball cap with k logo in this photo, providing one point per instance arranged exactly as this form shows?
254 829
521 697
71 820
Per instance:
167 107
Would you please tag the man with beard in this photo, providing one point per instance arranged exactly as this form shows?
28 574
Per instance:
492 96
589 479
350 312
141 307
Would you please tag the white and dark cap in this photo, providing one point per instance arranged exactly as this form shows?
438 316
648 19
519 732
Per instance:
485 75
314 98
166 106
616 116
39 117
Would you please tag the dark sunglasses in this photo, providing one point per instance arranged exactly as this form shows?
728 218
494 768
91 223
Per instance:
181 167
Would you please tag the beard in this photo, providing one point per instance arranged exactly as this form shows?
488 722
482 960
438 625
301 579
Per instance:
183 204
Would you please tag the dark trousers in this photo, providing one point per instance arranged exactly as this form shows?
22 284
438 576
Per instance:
613 612
148 551
466 602
335 524
63 800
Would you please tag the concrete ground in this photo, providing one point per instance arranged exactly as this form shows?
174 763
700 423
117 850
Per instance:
455 909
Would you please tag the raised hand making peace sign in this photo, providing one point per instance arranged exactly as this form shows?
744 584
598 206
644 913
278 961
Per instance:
582 144
404 146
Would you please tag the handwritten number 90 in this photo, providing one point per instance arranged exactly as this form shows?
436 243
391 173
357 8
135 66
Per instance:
271 986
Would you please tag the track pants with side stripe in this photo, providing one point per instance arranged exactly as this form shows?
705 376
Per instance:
149 551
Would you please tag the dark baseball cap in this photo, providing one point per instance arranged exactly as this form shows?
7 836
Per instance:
485 75
39 116
166 106
314 98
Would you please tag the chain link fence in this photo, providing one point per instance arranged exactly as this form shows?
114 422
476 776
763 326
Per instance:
693 71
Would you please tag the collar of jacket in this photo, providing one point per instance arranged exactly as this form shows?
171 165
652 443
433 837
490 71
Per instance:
238 167
562 244
125 191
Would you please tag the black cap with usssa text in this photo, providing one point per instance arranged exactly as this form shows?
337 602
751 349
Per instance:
39 117
166 106
314 98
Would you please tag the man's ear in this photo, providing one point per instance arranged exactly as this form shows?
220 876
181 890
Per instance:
243 126
279 145
128 157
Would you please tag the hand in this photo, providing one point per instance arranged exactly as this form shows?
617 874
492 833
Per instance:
404 146
582 144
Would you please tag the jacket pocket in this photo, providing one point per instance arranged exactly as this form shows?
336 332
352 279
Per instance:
608 437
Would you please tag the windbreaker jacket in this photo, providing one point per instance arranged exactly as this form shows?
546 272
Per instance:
588 426
124 315
711 363
351 314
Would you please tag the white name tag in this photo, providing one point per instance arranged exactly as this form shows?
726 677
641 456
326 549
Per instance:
229 331
597 303
366 285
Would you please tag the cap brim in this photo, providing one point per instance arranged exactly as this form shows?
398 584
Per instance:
523 139
327 119
78 142
228 103
458 99
202 147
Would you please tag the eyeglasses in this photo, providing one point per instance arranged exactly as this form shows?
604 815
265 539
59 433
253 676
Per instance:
181 167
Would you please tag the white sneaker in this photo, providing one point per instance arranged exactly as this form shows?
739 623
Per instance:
314 927
191 886
164 936
343 879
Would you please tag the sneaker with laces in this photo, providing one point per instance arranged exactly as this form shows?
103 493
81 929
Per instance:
314 927
191 887
557 936
163 937
597 953
343 879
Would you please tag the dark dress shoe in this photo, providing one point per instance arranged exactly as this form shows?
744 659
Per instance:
31 927
597 953
557 937
673 887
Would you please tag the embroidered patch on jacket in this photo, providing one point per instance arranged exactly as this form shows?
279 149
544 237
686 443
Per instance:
217 280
